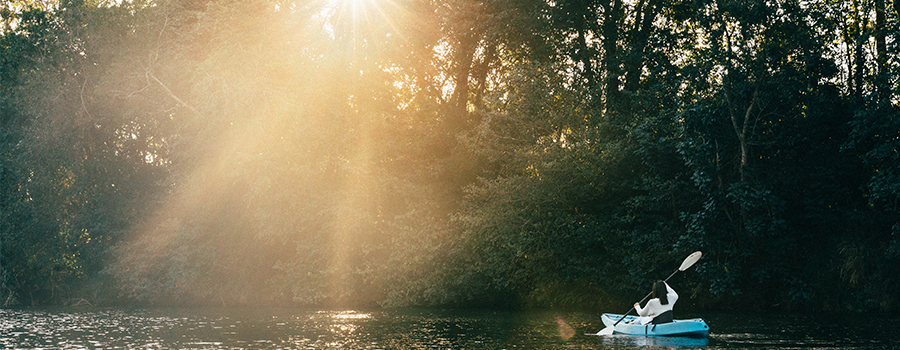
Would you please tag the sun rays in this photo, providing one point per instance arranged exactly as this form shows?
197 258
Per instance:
359 19
290 187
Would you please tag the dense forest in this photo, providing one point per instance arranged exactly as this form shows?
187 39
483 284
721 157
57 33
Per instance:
467 153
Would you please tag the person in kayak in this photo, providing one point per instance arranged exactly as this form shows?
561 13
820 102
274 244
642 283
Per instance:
658 309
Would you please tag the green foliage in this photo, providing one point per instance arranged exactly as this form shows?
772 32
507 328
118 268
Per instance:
72 173
491 153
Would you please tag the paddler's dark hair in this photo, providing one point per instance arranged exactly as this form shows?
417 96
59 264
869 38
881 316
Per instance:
660 291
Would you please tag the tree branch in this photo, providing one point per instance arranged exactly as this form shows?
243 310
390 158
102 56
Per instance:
171 94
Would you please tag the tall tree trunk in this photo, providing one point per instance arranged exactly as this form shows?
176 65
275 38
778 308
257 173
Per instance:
643 26
481 73
881 84
584 55
611 20
460 98
741 129
859 52
858 69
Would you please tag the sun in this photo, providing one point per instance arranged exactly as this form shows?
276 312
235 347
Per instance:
339 16
349 9
356 20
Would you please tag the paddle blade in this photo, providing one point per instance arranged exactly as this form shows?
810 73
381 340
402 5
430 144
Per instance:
606 331
690 260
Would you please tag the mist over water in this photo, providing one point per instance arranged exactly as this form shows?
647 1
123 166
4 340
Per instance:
269 328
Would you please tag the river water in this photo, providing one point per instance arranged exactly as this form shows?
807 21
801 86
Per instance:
268 328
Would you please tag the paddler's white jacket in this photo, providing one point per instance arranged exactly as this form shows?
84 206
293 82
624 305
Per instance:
654 307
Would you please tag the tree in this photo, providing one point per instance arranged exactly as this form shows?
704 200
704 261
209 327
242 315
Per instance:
72 170
519 153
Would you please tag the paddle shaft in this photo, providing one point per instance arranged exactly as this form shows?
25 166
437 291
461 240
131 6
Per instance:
643 300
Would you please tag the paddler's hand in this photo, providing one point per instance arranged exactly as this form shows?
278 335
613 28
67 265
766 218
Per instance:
637 306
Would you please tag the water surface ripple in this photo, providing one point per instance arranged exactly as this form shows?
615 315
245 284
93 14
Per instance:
268 328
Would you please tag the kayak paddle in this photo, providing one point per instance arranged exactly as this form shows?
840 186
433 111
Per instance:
686 264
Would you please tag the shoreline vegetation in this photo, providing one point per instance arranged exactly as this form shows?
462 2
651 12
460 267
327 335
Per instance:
452 153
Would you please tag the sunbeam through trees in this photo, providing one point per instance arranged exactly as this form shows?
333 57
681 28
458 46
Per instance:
522 153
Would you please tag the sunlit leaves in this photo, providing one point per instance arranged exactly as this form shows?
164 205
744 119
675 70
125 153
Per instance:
403 152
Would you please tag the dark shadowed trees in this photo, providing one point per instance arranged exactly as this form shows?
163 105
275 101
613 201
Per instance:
458 152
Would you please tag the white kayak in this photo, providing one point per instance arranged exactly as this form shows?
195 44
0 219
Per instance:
695 327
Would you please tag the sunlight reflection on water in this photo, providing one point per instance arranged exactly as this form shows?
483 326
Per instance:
397 329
